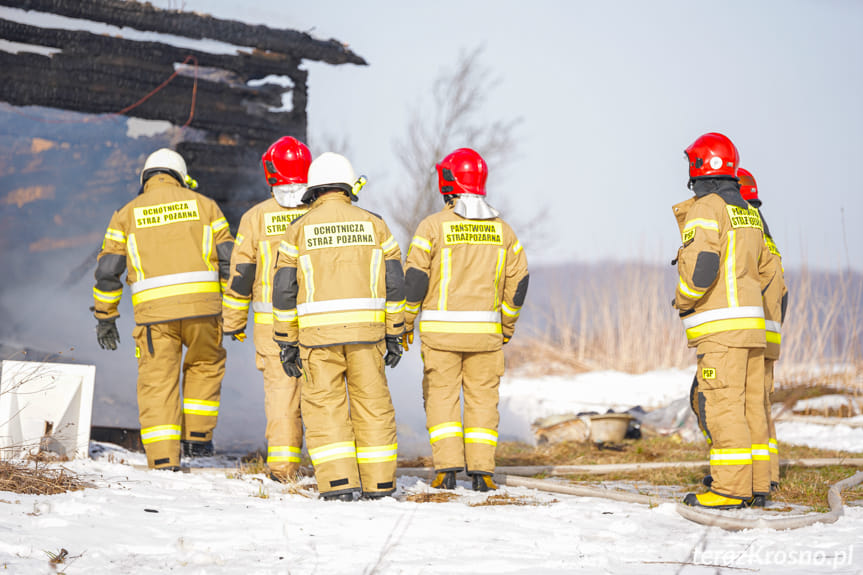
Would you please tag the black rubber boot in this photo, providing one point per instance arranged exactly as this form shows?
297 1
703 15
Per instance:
377 494
444 480
346 497
758 500
483 483
197 448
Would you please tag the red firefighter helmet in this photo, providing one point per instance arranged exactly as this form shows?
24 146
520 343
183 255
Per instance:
287 162
748 187
462 172
711 155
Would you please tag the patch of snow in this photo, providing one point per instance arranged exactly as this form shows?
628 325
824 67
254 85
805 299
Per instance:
841 437
825 402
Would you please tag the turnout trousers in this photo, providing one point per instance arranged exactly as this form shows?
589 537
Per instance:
446 376
350 420
729 399
281 406
773 444
164 420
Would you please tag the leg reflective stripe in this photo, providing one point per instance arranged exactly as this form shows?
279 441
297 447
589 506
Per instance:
730 457
267 264
264 318
235 303
333 451
731 270
772 446
480 435
725 325
445 276
498 271
207 247
374 272
309 276
181 289
459 327
160 433
444 430
342 317
107 296
377 454
760 452
200 407
282 453
135 257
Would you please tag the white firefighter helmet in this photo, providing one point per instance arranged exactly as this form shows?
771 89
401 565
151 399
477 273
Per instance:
166 160
330 170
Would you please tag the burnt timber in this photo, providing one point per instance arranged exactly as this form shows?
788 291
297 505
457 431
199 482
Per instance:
233 122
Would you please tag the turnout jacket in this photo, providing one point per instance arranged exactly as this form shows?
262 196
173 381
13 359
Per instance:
469 278
339 278
724 266
253 264
775 298
177 247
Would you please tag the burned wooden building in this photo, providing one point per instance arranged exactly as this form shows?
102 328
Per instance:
69 93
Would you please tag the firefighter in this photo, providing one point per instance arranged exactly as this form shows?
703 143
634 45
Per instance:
723 267
775 305
467 272
286 167
177 247
338 307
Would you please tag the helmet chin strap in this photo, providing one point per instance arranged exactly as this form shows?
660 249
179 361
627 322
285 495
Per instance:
289 195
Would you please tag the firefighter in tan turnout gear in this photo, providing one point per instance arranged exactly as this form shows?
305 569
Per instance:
176 246
467 272
286 166
724 265
338 305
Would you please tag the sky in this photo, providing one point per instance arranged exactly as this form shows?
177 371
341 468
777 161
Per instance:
610 94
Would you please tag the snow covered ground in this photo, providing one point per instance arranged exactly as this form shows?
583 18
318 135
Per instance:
212 521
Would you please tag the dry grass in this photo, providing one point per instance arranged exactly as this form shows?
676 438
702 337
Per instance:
506 499
37 479
432 497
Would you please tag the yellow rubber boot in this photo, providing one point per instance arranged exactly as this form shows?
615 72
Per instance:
444 480
713 501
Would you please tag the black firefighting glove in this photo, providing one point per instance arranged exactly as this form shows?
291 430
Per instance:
107 334
394 350
290 358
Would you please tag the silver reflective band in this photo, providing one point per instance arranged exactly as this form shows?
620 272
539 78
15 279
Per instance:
347 304
773 326
722 313
262 307
471 316
174 279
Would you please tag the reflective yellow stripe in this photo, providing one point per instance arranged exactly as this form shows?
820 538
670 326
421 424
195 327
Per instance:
239 239
332 451
308 276
136 258
235 303
771 245
207 247
345 317
160 433
516 248
282 453
498 271
730 457
773 337
459 327
509 311
772 446
175 290
688 291
115 235
444 430
421 243
374 271
701 223
267 271
107 296
264 318
201 407
724 325
413 308
389 244
395 306
219 224
445 276
731 270
480 435
377 453
288 315
760 452
288 249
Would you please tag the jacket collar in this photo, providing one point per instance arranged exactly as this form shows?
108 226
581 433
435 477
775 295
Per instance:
727 189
